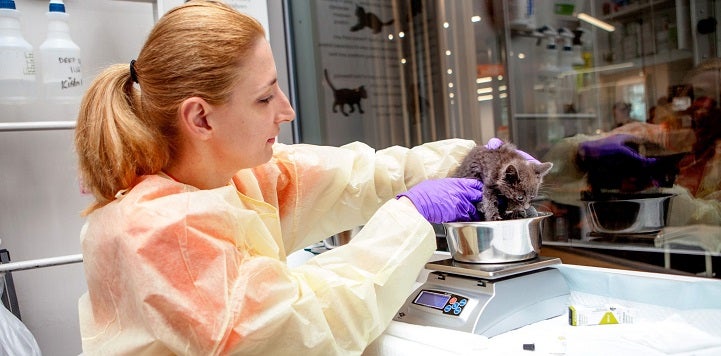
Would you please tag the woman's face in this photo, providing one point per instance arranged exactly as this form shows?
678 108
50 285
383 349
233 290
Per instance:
247 125
705 110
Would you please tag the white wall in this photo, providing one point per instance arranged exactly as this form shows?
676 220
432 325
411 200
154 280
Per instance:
39 197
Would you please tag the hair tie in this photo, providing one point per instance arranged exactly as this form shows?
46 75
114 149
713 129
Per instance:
133 73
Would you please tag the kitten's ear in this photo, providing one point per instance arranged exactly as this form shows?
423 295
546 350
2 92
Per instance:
510 174
542 168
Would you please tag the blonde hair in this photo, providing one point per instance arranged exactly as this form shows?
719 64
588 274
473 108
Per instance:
123 132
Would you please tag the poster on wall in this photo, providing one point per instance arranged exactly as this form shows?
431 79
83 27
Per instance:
359 62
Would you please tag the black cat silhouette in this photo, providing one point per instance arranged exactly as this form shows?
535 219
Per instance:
368 19
344 96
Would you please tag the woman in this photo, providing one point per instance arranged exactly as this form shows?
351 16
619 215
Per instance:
197 206
700 170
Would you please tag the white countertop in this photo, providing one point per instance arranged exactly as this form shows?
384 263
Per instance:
674 316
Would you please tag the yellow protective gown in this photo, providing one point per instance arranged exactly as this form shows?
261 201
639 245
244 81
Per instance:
176 270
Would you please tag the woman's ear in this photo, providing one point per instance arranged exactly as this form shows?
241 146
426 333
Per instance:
194 117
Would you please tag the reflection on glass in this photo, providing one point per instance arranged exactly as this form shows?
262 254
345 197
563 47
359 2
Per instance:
628 116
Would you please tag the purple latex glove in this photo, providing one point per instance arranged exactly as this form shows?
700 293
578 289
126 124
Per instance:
619 147
494 143
447 199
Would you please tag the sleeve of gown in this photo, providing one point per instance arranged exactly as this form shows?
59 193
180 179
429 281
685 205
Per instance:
323 190
200 289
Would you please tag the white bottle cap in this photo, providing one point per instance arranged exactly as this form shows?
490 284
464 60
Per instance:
55 6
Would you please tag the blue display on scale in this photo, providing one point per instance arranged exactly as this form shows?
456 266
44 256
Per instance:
451 304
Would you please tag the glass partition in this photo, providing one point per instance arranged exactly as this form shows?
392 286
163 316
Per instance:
622 96
634 134
398 72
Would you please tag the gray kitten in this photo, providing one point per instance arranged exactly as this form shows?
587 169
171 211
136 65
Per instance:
510 182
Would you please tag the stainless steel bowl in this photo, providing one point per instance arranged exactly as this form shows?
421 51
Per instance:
628 214
341 238
495 241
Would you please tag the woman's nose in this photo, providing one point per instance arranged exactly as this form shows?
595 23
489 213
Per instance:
286 111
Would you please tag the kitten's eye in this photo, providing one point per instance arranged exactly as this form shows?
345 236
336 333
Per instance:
520 198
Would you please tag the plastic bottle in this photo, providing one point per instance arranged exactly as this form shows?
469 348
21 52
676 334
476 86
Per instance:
580 49
546 100
62 79
547 80
549 54
582 61
567 74
17 61
522 14
566 55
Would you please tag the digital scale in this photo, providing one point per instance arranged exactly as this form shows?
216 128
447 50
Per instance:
487 299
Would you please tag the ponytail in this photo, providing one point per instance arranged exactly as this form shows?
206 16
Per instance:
113 144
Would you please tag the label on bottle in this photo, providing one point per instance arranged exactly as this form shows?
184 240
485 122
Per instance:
17 75
62 74
17 64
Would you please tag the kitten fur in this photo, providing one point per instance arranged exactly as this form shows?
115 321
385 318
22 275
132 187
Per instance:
510 182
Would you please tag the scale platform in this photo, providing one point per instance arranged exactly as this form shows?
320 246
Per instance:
487 299
491 270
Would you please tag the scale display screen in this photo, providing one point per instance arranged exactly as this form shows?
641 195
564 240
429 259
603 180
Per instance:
432 299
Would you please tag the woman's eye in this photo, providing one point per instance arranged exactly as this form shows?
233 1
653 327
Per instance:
266 100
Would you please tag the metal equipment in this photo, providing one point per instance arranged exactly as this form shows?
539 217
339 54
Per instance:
487 299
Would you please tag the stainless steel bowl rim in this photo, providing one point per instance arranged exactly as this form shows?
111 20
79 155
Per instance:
541 215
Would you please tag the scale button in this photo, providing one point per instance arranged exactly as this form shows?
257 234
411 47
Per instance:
456 305
453 300
457 311
463 302
447 309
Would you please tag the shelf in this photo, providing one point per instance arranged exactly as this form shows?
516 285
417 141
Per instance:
37 126
554 116
40 263
637 247
648 61
631 12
